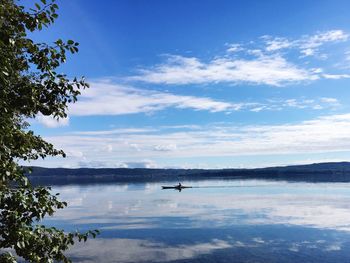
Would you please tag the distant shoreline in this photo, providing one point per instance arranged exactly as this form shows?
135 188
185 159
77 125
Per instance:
318 172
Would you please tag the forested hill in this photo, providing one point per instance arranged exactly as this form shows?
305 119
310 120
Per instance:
320 172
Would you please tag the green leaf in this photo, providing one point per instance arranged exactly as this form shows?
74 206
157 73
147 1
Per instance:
30 85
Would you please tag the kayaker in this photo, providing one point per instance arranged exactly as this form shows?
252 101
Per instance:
179 185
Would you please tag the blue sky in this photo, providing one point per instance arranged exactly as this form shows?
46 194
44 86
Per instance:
204 84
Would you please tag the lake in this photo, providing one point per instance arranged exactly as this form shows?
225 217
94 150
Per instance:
217 221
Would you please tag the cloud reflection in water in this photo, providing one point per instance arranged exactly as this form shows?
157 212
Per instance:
260 216
252 202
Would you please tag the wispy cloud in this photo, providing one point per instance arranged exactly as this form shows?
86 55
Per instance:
105 98
272 70
276 43
307 45
302 103
262 64
234 48
116 131
324 134
127 164
336 76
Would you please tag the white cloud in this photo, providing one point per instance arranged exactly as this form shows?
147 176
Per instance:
316 104
300 103
329 100
307 45
258 109
108 148
253 65
116 131
105 98
321 135
142 164
307 51
347 55
277 43
232 48
336 76
165 148
189 127
271 70
116 164
50 122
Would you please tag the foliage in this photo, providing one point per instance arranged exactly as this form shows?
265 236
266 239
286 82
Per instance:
30 85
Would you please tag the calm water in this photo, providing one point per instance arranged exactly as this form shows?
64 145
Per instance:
220 221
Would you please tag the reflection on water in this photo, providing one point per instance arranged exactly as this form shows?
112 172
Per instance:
220 221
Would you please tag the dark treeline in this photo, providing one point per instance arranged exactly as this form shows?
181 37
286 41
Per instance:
321 172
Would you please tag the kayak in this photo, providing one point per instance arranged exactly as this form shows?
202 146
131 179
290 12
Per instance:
176 187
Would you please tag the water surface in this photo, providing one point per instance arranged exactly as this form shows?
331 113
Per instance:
218 221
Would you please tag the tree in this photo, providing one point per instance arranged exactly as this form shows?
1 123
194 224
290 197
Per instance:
30 85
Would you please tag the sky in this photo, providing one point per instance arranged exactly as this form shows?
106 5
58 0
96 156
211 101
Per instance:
203 84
